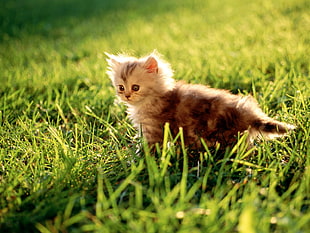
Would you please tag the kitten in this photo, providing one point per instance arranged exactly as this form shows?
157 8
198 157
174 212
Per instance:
153 98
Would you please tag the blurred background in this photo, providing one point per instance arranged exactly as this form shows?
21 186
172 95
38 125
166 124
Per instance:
206 41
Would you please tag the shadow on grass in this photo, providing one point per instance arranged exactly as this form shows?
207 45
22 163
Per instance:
46 18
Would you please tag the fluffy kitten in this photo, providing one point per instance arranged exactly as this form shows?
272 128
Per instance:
154 98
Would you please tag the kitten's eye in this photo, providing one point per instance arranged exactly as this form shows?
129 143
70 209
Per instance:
135 87
121 88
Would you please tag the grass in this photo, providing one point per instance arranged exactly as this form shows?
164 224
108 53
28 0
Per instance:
68 154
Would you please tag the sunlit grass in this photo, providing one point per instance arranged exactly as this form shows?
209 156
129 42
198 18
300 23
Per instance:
70 160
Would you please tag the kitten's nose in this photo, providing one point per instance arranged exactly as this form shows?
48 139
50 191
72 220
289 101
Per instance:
127 96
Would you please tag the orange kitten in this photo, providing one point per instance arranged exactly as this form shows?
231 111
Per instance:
153 98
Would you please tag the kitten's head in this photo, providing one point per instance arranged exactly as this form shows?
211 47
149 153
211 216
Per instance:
136 80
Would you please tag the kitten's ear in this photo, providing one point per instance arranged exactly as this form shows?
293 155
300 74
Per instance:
112 60
151 65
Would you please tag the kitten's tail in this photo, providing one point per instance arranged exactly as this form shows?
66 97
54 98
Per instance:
270 129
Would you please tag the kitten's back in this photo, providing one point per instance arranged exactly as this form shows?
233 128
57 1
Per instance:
217 115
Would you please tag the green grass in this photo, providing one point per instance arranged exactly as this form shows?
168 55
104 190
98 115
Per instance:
68 154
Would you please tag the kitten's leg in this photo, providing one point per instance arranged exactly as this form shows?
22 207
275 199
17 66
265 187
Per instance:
260 125
152 134
139 145
270 128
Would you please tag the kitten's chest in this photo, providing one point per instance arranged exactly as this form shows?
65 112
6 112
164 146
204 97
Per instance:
152 113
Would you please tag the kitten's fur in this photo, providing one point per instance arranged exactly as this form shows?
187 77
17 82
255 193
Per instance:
154 98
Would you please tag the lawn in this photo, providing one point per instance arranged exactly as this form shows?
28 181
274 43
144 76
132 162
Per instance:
70 160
